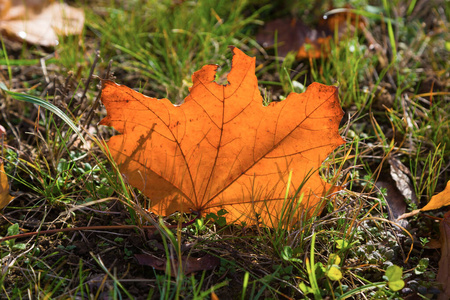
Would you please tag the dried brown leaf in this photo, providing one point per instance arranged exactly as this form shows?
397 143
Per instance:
39 21
443 276
189 264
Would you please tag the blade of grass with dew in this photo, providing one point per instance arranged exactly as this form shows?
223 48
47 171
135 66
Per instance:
46 105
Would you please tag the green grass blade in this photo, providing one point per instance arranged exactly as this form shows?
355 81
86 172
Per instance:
46 105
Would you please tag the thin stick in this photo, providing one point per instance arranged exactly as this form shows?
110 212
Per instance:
28 234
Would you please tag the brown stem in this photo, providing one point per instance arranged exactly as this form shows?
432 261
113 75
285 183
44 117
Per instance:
28 234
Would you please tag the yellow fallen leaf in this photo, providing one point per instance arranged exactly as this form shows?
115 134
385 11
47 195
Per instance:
439 200
5 197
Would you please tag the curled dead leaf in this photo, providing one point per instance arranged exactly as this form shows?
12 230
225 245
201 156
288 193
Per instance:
294 35
307 42
401 175
39 21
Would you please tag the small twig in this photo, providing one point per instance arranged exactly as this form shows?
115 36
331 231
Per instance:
83 96
88 81
44 69
97 99
28 234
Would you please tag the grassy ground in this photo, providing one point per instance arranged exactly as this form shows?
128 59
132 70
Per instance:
396 102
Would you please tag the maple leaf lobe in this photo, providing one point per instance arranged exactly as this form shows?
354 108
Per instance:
222 148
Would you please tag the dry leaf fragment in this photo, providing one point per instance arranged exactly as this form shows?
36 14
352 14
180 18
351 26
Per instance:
294 35
443 276
399 189
291 35
189 264
214 296
401 174
221 148
39 21
439 200
5 197
394 198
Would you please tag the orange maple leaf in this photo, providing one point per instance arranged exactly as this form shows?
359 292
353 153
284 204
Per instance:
222 148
